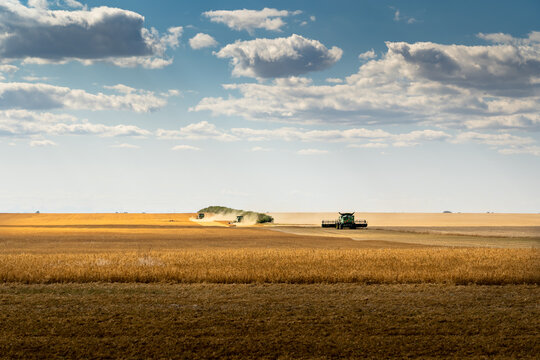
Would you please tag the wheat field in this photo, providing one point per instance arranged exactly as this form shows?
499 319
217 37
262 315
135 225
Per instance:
144 248
299 266
162 286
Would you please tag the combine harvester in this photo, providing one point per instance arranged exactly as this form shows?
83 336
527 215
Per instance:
346 220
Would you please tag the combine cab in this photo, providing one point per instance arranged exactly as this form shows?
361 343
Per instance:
346 220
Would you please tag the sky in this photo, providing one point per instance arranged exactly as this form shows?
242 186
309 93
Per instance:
172 106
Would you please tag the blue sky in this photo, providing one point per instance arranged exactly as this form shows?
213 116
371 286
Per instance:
165 106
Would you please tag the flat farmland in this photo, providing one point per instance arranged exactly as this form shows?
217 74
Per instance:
162 285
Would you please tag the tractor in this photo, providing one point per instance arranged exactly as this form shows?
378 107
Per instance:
346 220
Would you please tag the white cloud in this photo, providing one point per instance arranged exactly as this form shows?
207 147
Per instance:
299 134
468 87
204 130
35 78
280 57
38 35
531 150
370 54
197 131
260 149
125 146
493 139
334 80
34 96
249 20
24 123
39 4
74 4
42 143
185 147
8 69
371 145
202 40
415 137
312 152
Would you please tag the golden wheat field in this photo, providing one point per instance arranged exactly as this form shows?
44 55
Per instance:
303 266
50 248
164 286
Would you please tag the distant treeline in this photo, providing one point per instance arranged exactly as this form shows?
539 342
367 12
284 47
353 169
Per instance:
261 218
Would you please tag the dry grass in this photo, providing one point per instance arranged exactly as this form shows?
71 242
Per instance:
383 266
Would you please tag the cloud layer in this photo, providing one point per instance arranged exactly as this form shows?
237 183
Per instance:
280 57
38 96
493 86
39 35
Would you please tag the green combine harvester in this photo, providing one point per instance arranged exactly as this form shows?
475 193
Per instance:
346 220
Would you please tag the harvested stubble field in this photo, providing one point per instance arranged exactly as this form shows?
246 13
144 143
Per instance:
215 291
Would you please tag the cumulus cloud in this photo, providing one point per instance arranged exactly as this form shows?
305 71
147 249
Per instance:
280 57
185 147
455 86
8 69
249 20
370 54
39 35
202 40
39 96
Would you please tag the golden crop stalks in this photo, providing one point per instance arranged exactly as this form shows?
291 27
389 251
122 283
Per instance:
377 266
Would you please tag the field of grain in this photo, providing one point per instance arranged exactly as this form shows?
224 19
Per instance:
294 266
52 248
164 286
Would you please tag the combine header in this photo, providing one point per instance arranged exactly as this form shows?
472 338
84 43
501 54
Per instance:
346 220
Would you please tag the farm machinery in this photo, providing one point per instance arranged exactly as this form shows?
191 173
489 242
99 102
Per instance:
239 219
345 220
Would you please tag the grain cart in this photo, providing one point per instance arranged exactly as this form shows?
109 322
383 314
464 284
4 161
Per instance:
346 220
